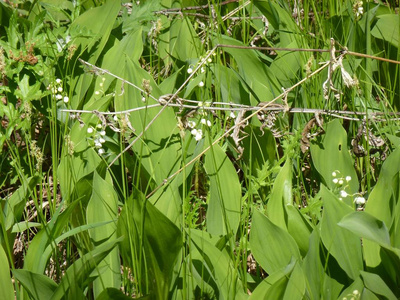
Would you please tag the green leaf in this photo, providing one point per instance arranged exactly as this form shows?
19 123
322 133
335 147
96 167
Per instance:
44 239
252 72
16 204
143 225
380 204
281 196
375 283
22 226
38 286
220 265
343 245
387 28
115 294
6 286
78 273
272 247
333 155
364 225
28 92
224 204
103 206
278 280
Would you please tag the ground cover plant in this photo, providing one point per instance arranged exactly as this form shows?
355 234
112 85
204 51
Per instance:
199 150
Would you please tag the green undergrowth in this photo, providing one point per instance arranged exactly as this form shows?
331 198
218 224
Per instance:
199 150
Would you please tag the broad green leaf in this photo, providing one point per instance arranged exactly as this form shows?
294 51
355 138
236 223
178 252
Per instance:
93 29
366 226
114 294
6 286
332 155
272 247
145 227
380 204
22 226
387 28
259 148
28 92
103 206
224 204
319 276
278 279
16 204
281 196
38 286
343 245
253 73
299 228
160 147
229 85
375 284
44 239
78 273
221 266
296 285
180 41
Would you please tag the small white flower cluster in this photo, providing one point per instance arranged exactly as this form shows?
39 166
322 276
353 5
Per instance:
192 68
58 91
339 181
97 134
101 84
358 8
198 133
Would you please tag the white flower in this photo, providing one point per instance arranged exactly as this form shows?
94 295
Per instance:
334 174
143 99
202 70
197 133
360 11
97 145
190 70
66 99
58 80
101 151
90 130
355 292
103 78
115 118
58 97
98 126
348 178
335 180
359 200
201 84
343 194
191 124
340 181
232 115
101 84
209 59
102 141
60 89
103 133
97 93
205 122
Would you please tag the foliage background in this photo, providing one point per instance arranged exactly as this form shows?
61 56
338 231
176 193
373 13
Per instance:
146 153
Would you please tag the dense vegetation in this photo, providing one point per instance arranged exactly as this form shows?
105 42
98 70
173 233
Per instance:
197 150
